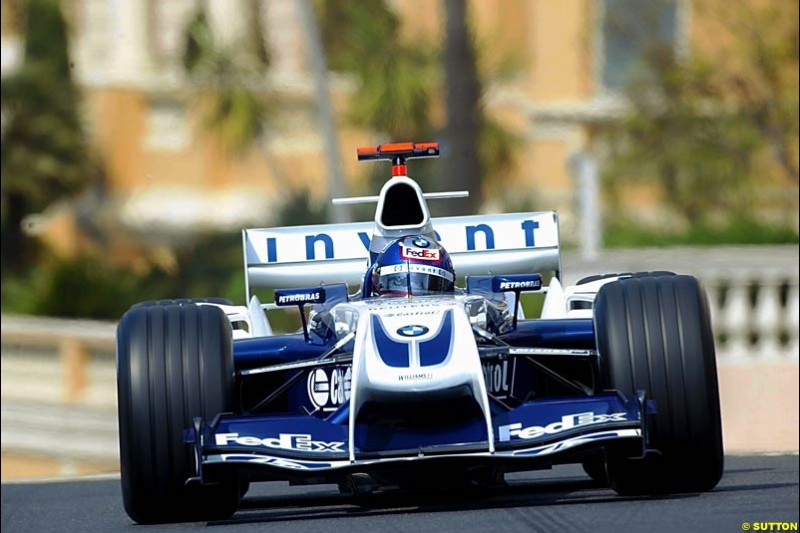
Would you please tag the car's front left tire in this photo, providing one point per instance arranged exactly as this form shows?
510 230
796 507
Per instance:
654 335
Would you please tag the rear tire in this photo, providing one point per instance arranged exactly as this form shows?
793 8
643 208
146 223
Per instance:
174 363
183 301
649 274
654 334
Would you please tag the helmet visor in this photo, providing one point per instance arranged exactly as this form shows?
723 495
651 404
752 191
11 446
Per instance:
421 280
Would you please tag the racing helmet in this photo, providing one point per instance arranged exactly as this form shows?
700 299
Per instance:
413 265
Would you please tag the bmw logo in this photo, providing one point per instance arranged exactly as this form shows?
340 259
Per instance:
412 331
421 242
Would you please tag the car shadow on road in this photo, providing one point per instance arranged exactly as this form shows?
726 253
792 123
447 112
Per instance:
762 486
323 506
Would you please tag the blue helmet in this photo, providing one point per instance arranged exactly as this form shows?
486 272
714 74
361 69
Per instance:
414 264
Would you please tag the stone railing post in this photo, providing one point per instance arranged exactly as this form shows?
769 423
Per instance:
793 319
767 317
75 362
735 322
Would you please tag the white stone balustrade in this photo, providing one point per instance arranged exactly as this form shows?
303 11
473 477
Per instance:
752 290
754 318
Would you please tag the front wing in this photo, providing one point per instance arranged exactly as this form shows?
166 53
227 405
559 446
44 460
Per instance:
544 431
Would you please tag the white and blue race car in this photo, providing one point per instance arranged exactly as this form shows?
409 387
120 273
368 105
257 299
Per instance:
429 373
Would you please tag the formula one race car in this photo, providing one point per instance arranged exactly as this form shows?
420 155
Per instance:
423 371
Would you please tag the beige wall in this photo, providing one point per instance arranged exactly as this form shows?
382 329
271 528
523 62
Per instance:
558 41
118 126
560 72
760 406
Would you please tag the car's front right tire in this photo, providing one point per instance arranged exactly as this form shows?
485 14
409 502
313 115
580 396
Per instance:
174 363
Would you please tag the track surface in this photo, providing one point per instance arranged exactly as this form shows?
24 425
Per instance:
754 489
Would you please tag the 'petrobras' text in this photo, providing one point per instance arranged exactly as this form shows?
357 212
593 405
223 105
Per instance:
298 298
511 285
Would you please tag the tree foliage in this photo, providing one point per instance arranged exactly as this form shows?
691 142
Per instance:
463 169
226 79
709 128
44 155
396 79
763 78
399 83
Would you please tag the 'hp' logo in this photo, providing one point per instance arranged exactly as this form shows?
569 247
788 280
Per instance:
412 331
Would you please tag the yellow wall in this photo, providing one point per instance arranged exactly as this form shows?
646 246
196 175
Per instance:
559 46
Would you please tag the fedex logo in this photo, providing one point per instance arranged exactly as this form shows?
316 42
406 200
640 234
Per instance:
566 422
285 441
421 254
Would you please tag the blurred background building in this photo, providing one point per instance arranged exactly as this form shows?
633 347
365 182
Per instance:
556 79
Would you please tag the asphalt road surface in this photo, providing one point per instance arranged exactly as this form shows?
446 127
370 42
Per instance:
755 490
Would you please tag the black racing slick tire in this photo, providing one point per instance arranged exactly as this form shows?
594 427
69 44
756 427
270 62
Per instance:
596 469
649 274
174 363
654 335
184 301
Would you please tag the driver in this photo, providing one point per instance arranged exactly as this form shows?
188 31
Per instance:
413 265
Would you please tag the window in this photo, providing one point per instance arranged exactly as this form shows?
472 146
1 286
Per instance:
167 127
630 33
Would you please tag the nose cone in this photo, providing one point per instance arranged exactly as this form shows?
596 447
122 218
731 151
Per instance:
414 345
416 366
424 347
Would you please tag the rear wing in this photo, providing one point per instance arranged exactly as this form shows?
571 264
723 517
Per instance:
305 256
